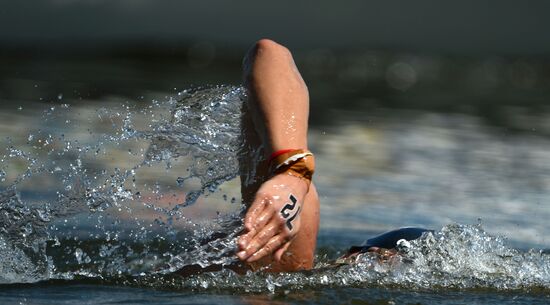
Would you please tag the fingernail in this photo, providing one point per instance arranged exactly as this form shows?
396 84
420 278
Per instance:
242 255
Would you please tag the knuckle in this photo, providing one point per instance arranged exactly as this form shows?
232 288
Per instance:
253 247
263 235
261 195
256 226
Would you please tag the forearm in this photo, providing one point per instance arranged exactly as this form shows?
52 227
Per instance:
279 108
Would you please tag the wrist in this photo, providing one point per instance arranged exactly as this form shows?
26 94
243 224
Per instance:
299 163
295 183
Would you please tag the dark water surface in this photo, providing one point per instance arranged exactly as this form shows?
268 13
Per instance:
103 195
97 294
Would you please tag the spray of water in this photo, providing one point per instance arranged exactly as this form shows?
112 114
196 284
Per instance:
115 202
78 205
455 257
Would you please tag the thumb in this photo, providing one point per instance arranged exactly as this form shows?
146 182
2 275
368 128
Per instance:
281 251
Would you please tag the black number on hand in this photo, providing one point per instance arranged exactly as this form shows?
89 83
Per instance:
290 207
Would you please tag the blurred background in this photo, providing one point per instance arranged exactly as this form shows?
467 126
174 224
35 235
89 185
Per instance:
483 58
440 107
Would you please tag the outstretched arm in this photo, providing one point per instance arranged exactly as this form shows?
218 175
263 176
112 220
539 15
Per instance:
279 104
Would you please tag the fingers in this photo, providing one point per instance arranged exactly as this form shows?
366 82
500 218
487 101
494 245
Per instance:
272 219
253 212
256 218
262 220
274 244
257 226
260 240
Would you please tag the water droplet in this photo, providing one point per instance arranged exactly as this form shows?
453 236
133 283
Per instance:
78 254
43 215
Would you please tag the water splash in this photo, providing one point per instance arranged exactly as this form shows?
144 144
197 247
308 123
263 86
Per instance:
205 125
455 257
468 257
105 200
114 203
22 240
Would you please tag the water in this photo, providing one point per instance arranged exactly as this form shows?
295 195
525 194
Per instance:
101 202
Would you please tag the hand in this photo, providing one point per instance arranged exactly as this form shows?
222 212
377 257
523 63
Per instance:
273 219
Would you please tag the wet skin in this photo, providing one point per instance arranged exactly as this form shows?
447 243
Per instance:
276 237
275 118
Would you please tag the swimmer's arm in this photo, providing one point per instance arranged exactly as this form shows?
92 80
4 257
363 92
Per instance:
279 102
